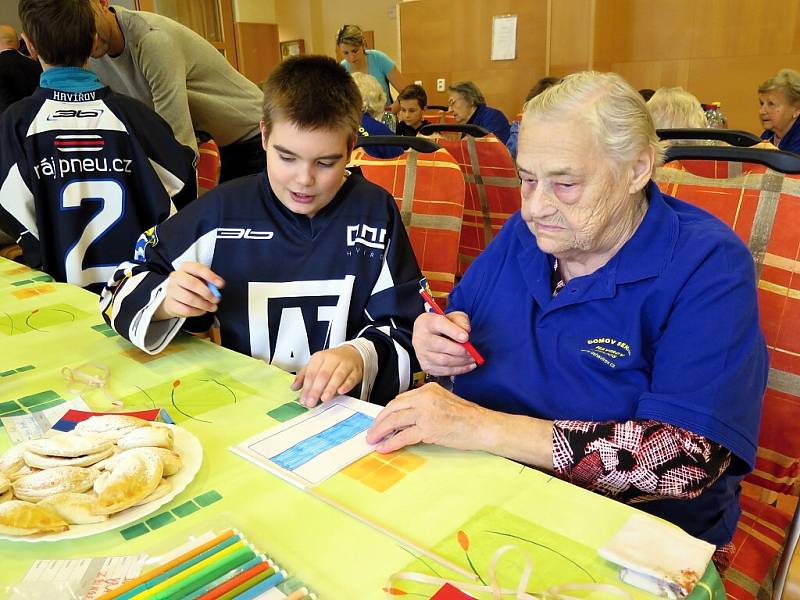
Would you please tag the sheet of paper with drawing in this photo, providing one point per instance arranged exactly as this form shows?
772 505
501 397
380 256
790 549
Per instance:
311 447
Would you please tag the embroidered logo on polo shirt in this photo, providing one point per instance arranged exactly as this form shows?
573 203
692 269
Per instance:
607 350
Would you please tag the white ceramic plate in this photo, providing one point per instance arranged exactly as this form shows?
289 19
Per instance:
186 444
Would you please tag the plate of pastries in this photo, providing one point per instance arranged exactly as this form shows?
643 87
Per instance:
107 472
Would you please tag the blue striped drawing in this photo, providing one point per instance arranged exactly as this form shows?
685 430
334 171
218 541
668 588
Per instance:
302 452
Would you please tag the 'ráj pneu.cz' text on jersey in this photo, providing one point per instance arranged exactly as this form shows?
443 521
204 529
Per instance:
82 174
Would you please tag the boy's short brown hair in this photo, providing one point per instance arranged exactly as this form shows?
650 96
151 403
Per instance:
312 92
61 30
414 92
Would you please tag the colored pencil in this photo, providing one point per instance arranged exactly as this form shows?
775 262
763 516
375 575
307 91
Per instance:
182 571
262 587
206 591
298 594
246 585
479 360
211 558
214 289
147 576
186 585
238 577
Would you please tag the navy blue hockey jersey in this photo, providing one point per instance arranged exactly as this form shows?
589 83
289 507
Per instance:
293 285
82 175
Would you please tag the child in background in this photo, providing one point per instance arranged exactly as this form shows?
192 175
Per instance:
413 101
305 266
83 170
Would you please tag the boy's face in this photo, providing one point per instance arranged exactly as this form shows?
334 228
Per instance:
305 167
410 112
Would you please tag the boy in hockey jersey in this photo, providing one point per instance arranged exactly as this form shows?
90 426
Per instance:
305 266
83 171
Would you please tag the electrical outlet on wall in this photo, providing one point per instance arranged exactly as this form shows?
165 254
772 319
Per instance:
440 85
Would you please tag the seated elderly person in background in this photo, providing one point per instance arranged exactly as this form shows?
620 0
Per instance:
374 101
541 85
469 107
675 108
779 99
619 326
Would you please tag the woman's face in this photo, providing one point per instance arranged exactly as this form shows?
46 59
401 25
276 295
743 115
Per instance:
777 114
574 201
352 54
462 110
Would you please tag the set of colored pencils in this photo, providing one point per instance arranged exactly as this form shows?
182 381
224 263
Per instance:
224 568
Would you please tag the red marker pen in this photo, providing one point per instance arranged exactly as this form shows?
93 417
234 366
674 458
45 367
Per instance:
467 345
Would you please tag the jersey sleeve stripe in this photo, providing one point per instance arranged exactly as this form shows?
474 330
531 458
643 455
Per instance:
17 199
152 337
202 251
385 279
171 182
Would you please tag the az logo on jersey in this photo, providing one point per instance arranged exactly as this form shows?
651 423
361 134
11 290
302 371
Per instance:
234 233
371 237
74 114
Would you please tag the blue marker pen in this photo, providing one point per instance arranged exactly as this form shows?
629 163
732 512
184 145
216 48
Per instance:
214 289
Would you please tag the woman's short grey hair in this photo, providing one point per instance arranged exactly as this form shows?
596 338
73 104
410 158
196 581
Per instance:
372 94
469 91
787 80
350 35
674 107
614 112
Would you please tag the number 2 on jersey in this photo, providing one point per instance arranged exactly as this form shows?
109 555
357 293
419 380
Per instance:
111 195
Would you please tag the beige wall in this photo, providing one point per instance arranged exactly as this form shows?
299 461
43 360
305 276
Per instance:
294 21
720 50
451 39
717 49
254 11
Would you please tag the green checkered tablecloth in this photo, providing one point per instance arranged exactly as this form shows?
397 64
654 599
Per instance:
428 510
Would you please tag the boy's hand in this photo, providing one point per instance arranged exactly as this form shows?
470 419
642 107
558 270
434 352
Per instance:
329 373
188 294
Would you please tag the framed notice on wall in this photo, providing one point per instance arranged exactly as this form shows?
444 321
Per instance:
504 37
292 48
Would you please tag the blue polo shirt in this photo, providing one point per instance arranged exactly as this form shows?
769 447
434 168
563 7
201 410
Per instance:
492 120
790 142
667 330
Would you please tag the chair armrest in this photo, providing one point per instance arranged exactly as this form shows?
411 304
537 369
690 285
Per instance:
791 590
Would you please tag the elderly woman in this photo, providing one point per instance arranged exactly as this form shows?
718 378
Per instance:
675 108
359 59
619 326
469 106
374 100
779 98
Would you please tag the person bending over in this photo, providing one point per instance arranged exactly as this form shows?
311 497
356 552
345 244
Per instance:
360 59
183 78
305 266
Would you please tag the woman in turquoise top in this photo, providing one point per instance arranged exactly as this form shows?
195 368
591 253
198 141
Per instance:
359 59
